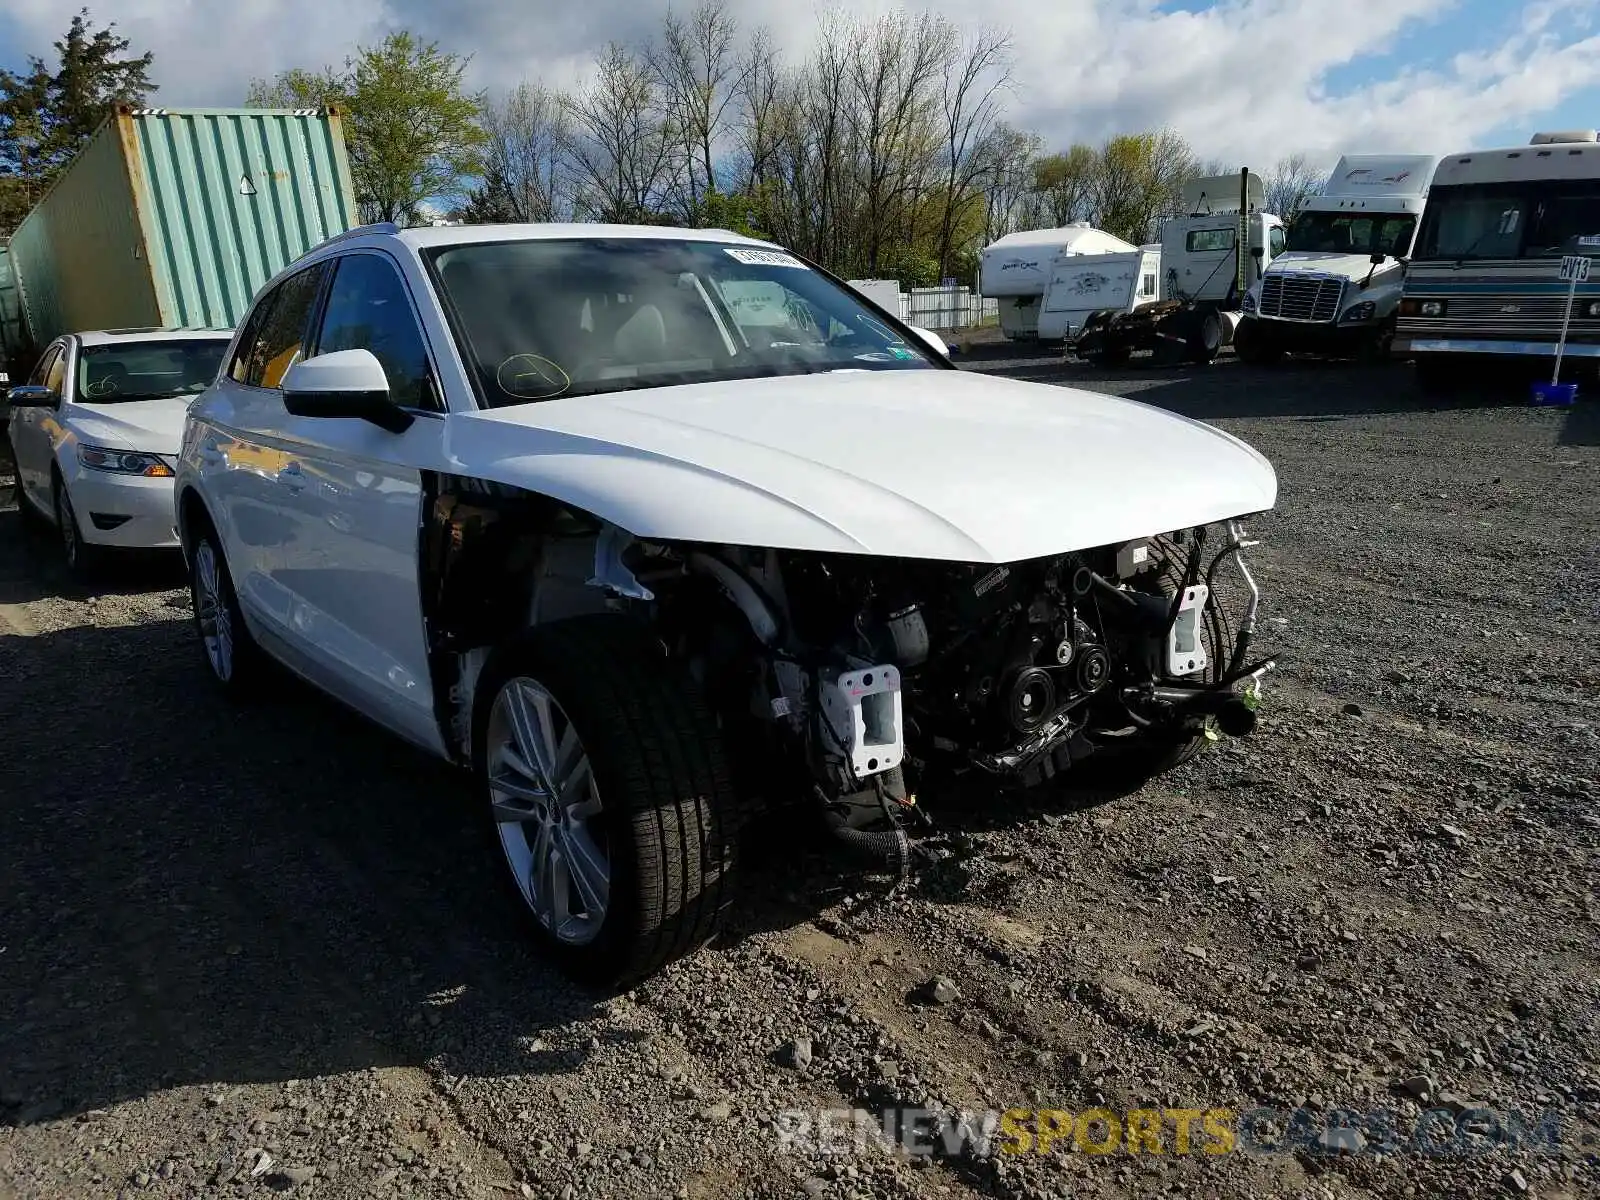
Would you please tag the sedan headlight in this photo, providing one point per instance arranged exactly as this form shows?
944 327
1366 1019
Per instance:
1433 308
1359 312
122 462
1592 309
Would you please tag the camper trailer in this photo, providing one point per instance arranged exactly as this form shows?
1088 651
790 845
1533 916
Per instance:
1016 270
1202 277
1336 287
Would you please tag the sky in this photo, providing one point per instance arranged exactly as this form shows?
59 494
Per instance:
1245 81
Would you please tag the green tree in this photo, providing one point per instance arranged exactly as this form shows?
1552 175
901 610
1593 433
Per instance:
413 131
47 114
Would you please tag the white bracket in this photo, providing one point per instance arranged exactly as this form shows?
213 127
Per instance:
1186 650
863 708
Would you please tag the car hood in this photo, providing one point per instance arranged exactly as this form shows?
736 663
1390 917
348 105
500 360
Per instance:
1345 266
155 426
933 464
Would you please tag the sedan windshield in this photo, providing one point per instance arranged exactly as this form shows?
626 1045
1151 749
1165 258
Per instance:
148 370
574 317
1352 233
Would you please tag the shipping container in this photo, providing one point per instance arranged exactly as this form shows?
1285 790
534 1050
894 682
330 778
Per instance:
175 217
11 342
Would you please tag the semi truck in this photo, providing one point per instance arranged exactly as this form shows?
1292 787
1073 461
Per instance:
1484 283
173 218
1336 287
1017 269
1208 260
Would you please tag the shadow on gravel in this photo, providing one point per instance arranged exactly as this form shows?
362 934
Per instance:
197 897
33 568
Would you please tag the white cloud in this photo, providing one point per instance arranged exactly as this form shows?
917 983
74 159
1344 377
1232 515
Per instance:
1244 80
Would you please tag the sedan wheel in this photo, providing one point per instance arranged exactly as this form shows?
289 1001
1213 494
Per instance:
81 557
547 811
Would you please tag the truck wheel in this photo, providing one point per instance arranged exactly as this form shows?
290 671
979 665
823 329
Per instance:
1205 343
1375 348
605 782
1253 347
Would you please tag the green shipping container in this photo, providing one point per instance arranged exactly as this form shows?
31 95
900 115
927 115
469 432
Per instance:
174 217
11 340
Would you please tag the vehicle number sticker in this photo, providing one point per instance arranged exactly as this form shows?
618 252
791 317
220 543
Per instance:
763 258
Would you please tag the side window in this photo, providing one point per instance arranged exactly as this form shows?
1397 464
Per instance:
1275 241
239 368
369 309
1203 241
42 369
277 344
57 374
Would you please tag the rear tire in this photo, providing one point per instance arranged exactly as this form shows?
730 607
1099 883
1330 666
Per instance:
1205 343
634 792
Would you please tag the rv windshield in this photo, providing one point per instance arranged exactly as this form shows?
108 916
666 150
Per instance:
1351 233
542 318
1535 219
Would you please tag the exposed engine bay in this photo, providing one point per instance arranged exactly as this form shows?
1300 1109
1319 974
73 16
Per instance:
862 679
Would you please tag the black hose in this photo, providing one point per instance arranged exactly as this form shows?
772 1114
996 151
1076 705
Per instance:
891 847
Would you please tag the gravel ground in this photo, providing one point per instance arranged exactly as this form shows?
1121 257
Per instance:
261 952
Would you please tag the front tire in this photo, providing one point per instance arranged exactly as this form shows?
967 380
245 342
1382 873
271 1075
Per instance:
83 560
1254 347
235 661
609 794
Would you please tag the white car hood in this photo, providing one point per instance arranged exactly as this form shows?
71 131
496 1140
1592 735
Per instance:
933 464
155 426
1347 266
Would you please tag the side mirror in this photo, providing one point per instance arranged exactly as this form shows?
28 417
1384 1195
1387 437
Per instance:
1378 258
1257 251
933 340
31 395
345 383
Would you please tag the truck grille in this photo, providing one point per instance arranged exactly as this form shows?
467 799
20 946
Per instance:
1300 299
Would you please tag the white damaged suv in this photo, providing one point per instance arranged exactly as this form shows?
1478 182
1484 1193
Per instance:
643 526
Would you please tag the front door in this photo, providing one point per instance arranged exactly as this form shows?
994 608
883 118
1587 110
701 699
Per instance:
31 428
357 492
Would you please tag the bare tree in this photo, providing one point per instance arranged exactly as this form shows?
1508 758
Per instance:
1066 184
529 130
620 147
1009 156
1140 180
696 68
970 110
761 90
1292 181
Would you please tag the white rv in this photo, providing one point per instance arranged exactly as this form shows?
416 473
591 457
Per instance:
1016 270
1081 284
1336 287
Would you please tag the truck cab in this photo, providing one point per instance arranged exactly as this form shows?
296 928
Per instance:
1336 286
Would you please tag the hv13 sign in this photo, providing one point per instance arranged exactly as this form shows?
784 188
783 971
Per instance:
1574 269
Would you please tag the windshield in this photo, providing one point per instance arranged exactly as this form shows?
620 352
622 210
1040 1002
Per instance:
576 317
1352 233
1534 219
148 370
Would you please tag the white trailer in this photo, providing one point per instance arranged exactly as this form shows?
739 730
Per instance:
1016 270
1081 284
1336 288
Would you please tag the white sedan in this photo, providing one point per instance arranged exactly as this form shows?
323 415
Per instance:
95 431
651 528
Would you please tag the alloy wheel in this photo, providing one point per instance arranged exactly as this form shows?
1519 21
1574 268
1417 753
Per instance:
547 812
211 611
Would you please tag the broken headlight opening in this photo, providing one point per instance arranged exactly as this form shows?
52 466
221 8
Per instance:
875 677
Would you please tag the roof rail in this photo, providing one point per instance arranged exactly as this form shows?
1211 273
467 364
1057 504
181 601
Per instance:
357 231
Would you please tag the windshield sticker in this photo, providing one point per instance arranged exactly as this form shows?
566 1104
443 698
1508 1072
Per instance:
763 258
901 352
